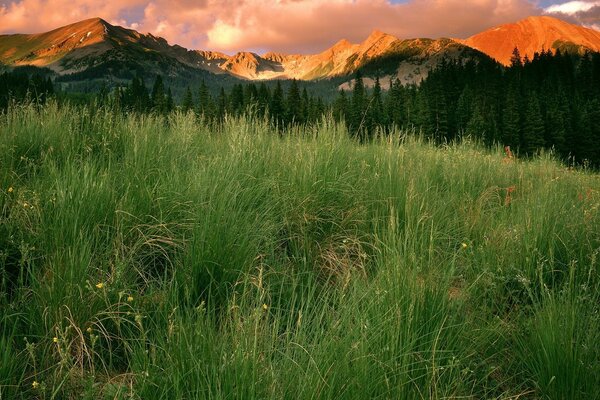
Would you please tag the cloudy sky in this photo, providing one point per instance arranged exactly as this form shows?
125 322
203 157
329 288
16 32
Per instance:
288 25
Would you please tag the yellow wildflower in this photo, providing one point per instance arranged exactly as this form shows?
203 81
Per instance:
129 299
265 307
10 189
55 339
89 329
35 384
100 285
25 205
464 245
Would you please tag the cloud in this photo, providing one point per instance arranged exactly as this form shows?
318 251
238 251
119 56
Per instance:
585 13
272 25
572 7
44 15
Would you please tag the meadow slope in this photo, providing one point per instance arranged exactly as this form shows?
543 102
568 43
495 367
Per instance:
153 258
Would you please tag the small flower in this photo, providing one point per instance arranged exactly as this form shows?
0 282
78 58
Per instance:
10 189
35 384
129 299
464 245
100 285
265 307
89 329
55 339
25 205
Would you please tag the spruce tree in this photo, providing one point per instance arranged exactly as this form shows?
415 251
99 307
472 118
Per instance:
376 113
158 98
188 101
206 105
277 107
511 116
358 107
221 108
293 112
532 137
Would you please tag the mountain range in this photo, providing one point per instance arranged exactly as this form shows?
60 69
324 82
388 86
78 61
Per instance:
96 49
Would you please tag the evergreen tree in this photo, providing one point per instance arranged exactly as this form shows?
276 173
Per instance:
358 107
511 117
477 127
221 105
188 100
169 102
340 106
532 137
158 98
515 59
377 116
206 106
264 99
278 106
395 107
293 112
237 99
464 109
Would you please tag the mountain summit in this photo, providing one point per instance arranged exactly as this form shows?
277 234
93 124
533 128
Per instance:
532 35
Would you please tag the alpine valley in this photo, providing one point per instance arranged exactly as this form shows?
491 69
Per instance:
82 55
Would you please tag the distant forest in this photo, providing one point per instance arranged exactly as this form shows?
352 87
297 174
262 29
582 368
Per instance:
549 102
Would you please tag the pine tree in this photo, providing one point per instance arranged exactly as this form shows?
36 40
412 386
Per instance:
277 107
377 115
511 118
188 101
515 59
206 105
340 106
464 109
477 127
395 109
358 107
307 107
555 126
532 137
293 112
264 99
169 102
158 98
237 99
221 110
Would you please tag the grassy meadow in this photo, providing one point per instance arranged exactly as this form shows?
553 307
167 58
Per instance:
145 257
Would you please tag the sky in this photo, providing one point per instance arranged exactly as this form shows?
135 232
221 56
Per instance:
290 26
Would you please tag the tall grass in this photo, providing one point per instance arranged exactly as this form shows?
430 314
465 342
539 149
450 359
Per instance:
152 258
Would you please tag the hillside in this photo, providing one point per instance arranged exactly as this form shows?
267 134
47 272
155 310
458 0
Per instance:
532 35
148 260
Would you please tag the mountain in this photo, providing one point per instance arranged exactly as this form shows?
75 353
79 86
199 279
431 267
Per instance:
532 35
96 50
91 53
380 53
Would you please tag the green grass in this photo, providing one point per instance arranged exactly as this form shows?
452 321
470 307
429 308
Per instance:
145 258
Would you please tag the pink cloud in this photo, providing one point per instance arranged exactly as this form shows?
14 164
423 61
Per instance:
273 25
42 15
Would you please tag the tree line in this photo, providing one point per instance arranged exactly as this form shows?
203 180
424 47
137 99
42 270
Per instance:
292 106
18 86
551 101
